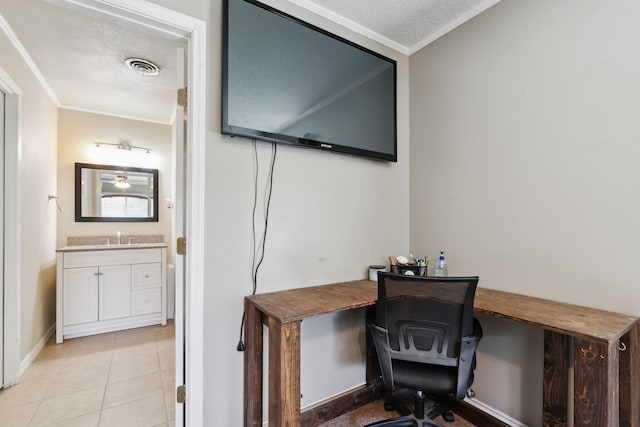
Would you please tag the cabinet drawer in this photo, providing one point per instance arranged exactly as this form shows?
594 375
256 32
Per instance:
146 275
146 301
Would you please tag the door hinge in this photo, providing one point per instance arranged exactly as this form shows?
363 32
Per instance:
182 97
181 246
181 393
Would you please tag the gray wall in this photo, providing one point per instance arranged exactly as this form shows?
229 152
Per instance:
327 224
524 148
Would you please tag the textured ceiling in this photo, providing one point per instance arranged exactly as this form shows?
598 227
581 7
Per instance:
404 25
81 55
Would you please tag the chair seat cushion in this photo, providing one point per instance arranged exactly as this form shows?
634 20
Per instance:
430 379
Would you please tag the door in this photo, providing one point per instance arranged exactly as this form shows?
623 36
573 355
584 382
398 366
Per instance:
114 292
80 295
1 238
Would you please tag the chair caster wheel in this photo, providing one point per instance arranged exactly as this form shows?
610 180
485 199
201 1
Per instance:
448 416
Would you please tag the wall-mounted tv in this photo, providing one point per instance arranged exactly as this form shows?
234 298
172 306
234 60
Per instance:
287 81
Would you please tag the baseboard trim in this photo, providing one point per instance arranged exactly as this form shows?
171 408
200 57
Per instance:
35 351
341 404
480 413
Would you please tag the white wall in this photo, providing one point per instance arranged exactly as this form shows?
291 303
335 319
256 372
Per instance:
77 131
38 118
524 148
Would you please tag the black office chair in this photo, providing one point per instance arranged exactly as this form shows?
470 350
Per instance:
425 336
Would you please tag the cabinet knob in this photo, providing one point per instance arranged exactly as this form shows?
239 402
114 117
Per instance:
146 276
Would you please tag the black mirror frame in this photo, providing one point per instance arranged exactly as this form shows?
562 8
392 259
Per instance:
78 193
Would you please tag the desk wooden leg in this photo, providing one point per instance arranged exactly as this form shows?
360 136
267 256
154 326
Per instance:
596 385
253 366
284 374
555 382
630 379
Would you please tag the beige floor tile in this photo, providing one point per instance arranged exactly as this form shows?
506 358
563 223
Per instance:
140 413
166 332
167 359
92 344
54 351
169 389
96 359
43 371
133 389
89 420
133 368
18 416
68 406
22 394
135 337
115 376
78 380
133 351
168 375
166 345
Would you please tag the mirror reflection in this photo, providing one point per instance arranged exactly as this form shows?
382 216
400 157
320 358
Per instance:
115 193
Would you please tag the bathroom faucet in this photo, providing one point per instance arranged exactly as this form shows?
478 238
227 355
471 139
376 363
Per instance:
130 238
119 236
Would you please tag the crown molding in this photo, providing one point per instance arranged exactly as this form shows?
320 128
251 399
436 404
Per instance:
349 24
13 38
471 13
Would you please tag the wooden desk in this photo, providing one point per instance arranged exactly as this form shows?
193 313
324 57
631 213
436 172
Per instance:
606 380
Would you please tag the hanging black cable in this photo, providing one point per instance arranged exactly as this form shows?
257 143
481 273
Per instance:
256 267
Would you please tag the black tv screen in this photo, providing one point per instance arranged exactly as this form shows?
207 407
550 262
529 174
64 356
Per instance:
287 81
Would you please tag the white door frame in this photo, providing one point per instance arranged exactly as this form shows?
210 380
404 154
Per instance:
12 231
158 18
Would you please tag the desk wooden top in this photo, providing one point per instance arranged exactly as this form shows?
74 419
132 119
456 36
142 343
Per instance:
577 321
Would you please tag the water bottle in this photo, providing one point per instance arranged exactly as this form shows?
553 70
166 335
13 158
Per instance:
441 267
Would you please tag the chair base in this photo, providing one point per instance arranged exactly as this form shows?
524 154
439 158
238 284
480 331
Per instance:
407 418
404 422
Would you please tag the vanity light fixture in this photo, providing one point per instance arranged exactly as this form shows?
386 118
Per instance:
123 145
122 182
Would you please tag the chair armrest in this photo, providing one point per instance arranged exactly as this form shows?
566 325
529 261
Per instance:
468 346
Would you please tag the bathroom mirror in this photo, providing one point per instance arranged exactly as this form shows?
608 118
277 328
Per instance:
115 193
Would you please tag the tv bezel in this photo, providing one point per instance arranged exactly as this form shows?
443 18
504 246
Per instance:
232 130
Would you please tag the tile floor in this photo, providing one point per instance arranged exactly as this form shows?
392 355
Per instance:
124 378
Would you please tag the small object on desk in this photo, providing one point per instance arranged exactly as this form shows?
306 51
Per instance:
409 273
402 259
373 272
441 267
393 266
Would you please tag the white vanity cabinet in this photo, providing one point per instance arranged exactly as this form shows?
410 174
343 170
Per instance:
109 289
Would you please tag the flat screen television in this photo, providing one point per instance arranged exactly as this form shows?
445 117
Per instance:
285 80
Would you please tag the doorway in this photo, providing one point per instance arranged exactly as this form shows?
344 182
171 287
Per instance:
189 269
10 212
148 17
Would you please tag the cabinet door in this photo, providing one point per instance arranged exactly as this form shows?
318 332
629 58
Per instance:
80 303
115 292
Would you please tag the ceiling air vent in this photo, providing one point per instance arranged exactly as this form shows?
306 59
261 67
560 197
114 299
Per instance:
142 66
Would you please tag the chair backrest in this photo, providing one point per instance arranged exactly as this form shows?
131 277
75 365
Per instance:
425 317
